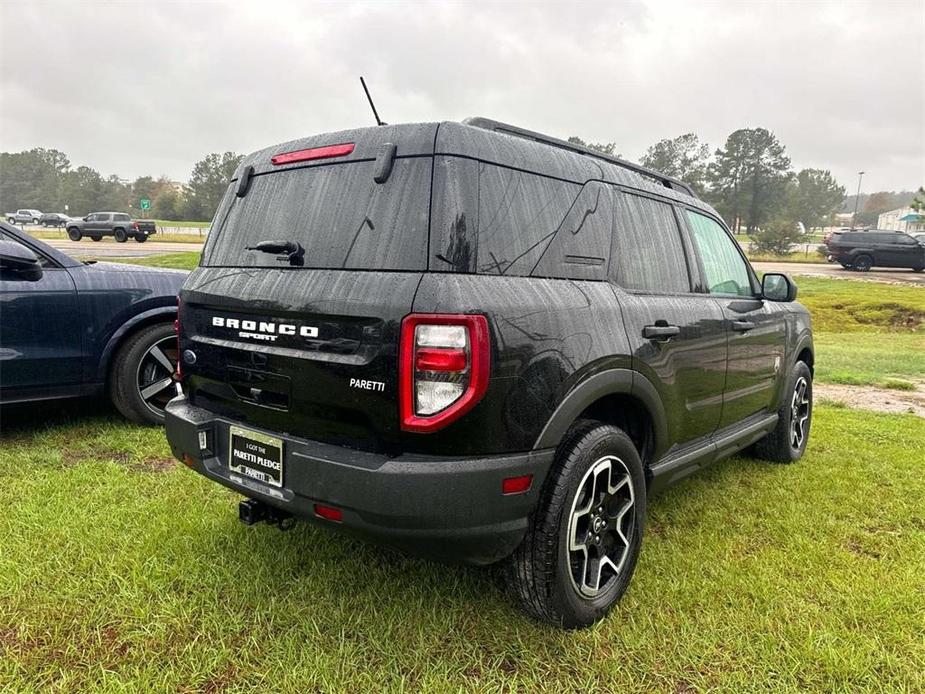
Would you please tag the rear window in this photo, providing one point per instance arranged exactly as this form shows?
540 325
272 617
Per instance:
338 213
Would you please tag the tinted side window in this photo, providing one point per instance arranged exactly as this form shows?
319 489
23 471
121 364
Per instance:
581 245
102 217
726 271
519 213
121 217
647 252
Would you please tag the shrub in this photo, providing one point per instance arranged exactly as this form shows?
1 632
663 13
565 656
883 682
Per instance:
776 237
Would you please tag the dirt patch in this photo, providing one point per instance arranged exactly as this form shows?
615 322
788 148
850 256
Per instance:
156 464
874 398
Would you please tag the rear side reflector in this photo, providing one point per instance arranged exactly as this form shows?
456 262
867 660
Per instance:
516 485
443 368
329 513
316 153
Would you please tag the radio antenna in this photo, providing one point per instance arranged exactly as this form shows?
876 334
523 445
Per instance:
371 104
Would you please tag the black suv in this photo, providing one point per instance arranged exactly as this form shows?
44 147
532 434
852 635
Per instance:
862 250
480 343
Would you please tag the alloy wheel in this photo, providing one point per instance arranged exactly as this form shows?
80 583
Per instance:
154 376
601 523
799 413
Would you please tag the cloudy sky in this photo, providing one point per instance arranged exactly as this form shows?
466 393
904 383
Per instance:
150 87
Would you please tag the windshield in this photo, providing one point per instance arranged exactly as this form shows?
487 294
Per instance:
338 213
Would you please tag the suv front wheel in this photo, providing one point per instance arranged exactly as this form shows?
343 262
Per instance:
581 547
787 442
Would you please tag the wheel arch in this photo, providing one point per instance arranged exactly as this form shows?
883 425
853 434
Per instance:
621 397
163 314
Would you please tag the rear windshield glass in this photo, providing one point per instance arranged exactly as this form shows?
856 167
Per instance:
338 213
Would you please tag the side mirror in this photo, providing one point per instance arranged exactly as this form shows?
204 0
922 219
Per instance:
19 260
778 287
86 219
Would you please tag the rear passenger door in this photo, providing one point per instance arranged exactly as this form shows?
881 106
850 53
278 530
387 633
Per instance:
756 329
677 336
900 250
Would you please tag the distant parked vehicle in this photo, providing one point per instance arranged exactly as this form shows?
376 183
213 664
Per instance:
116 224
54 219
862 250
24 216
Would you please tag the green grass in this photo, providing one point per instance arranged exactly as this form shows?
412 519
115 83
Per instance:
888 360
121 571
866 333
186 260
851 306
798 257
171 223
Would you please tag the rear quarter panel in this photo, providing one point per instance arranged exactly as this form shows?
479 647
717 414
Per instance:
547 335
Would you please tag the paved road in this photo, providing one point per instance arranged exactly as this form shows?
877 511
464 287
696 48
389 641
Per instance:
111 249
835 270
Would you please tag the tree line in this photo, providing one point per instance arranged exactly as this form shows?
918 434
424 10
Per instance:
44 179
749 181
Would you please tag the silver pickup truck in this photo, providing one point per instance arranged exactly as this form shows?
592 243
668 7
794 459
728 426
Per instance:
24 216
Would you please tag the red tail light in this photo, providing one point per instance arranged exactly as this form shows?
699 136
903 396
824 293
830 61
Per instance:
443 368
315 153
134 225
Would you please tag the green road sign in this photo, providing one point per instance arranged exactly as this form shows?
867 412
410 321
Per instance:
145 204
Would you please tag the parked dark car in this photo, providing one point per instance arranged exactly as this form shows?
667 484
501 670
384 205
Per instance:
54 219
862 250
480 343
69 328
116 224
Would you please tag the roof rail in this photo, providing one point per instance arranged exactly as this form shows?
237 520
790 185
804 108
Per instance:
660 178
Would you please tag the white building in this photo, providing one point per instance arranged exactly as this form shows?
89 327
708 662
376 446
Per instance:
904 219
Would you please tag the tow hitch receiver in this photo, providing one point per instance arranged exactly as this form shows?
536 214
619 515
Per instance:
251 511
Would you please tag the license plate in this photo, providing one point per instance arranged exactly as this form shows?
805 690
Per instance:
256 455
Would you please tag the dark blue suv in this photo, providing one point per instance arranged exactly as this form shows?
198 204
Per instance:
71 328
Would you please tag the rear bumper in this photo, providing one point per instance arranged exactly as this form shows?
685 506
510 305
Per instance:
448 508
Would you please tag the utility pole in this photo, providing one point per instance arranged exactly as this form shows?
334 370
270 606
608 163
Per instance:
857 198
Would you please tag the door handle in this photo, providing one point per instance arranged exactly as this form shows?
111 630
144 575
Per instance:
661 333
742 326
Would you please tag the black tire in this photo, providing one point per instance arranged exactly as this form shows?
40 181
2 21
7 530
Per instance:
847 266
863 263
542 573
141 238
35 220
96 238
779 446
74 234
918 268
10 220
120 235
134 365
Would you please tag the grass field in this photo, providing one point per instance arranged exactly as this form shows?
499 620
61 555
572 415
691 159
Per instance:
185 260
122 571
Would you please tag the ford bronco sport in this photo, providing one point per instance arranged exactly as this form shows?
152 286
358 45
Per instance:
479 343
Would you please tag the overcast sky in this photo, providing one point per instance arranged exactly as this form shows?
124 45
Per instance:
150 87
